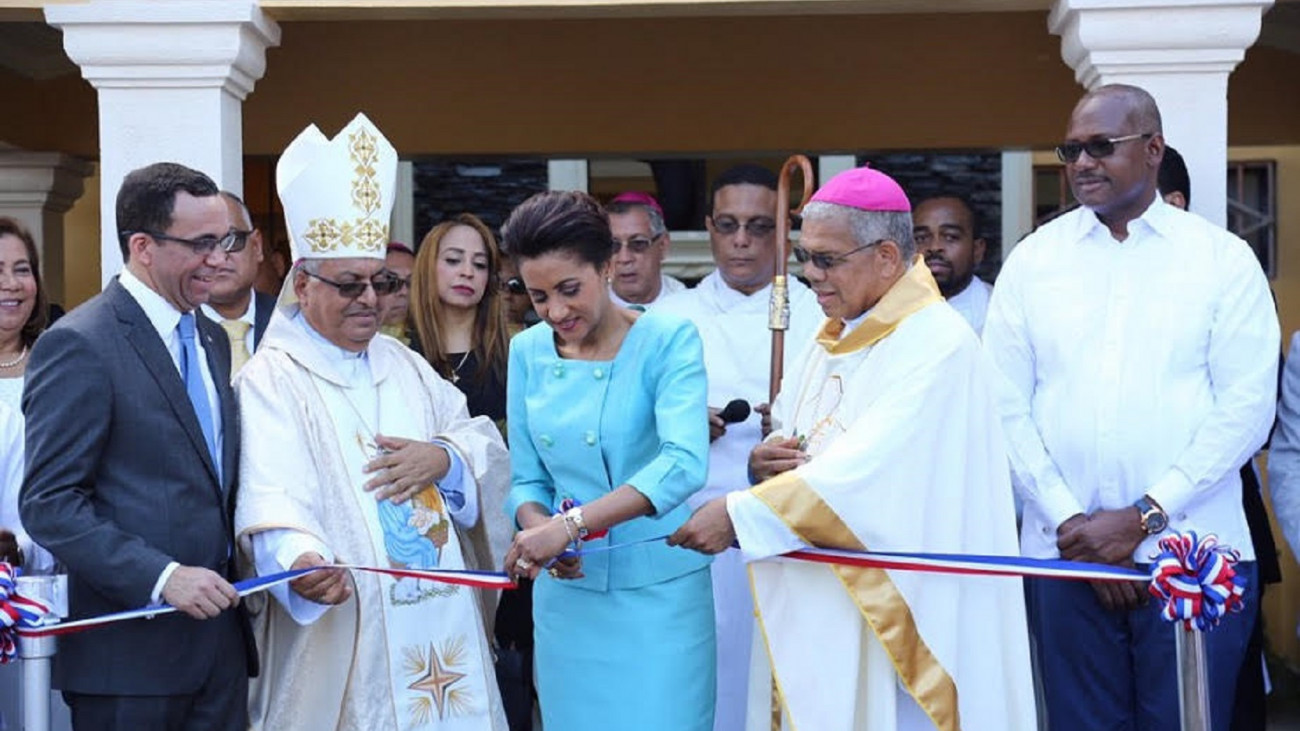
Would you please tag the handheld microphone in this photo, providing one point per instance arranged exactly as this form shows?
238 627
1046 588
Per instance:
734 412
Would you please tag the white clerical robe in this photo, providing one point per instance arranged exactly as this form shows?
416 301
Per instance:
401 653
906 453
737 356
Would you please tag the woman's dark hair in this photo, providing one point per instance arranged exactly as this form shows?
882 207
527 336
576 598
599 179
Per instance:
36 321
559 221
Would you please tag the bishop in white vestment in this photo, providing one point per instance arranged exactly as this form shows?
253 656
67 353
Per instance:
886 438
332 411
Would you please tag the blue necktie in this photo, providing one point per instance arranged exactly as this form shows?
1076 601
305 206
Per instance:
192 374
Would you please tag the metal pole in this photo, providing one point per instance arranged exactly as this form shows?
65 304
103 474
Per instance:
1193 679
37 653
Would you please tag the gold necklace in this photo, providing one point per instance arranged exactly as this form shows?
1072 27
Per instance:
455 371
21 357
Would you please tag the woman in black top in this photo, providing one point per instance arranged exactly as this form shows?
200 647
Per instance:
458 314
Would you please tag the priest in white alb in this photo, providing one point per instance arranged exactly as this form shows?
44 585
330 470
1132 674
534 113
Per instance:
730 309
886 438
356 452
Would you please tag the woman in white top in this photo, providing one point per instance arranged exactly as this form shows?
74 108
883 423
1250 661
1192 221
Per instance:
23 308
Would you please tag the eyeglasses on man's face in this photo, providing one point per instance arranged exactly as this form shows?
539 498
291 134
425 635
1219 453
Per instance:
514 285
384 283
638 244
233 242
757 227
828 261
399 282
1096 148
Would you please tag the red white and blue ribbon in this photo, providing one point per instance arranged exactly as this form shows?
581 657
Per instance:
1195 577
937 563
1195 581
478 579
16 612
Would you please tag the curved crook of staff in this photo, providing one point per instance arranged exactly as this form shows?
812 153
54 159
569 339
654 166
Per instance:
778 312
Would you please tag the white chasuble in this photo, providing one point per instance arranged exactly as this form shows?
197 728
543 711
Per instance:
905 454
401 653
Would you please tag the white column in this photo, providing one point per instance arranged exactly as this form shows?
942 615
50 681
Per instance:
37 188
1017 197
1181 51
567 175
402 224
171 79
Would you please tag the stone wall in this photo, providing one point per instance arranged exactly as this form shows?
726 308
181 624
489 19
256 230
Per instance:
974 175
488 189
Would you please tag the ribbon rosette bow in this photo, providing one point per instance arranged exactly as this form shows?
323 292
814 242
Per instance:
1195 581
15 611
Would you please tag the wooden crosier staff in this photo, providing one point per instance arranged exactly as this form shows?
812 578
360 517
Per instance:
778 309
778 312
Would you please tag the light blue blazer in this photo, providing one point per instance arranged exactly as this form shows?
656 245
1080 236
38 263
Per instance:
579 429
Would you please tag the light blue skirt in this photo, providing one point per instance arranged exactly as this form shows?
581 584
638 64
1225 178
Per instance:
629 659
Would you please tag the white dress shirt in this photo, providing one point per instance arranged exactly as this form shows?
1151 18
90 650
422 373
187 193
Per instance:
972 303
1143 366
249 316
166 320
667 286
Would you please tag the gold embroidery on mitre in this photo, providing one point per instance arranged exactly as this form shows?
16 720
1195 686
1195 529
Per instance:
363 233
365 153
328 234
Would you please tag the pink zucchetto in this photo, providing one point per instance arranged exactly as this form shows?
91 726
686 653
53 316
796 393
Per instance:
864 189
636 197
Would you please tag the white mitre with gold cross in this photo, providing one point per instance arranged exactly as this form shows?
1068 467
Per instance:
338 194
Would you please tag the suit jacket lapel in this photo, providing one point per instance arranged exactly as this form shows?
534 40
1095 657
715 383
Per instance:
261 316
217 347
158 361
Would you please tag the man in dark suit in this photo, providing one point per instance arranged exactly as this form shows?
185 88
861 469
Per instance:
240 310
132 456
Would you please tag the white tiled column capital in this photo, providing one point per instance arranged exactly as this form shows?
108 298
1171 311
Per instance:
171 78
1181 51
37 188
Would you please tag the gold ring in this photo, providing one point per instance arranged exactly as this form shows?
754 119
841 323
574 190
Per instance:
554 572
523 563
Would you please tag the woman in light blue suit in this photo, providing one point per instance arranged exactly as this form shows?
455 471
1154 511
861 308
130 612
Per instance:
608 436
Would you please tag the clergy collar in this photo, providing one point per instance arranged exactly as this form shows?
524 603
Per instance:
914 291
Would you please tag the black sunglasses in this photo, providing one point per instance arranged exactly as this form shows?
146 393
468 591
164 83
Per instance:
233 242
638 244
382 284
1096 149
828 261
514 285
756 227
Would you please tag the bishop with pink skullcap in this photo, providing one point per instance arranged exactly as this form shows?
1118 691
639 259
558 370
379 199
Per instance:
865 189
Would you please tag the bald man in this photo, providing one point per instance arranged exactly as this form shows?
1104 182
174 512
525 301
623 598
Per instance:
1141 346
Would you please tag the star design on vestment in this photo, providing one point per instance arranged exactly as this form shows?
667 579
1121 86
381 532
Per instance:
436 681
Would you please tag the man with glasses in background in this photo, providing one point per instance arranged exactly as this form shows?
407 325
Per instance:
358 452
641 243
233 303
885 438
1141 347
400 262
132 459
730 309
